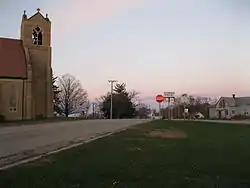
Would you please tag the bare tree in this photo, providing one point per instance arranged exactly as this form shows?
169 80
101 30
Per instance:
72 95
193 103
134 97
143 110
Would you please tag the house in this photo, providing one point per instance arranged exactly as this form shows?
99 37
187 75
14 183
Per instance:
25 71
228 107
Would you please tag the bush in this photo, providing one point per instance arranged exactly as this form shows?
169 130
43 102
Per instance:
2 118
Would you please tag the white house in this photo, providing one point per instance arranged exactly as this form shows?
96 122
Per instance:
228 107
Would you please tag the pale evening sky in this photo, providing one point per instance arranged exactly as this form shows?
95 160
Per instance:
186 46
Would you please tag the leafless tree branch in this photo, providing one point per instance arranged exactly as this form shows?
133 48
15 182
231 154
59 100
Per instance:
72 95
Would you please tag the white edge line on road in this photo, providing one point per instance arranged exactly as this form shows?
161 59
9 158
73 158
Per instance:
59 150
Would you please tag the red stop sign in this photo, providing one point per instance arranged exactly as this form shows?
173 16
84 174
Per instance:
159 98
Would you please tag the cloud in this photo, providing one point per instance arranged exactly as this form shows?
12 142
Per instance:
81 12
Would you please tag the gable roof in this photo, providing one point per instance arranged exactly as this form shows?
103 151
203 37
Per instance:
228 100
12 59
39 15
239 101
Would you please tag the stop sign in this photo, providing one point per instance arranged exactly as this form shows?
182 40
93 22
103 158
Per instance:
159 98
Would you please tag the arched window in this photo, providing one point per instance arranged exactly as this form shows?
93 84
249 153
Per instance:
37 36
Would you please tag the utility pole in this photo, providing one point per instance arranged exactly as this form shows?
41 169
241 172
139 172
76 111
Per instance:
93 108
111 97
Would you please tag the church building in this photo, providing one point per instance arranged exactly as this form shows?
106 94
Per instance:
25 71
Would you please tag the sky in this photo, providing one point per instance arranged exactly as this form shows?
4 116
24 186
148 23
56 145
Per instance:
199 47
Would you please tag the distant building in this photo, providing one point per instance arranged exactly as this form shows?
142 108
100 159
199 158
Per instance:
228 107
25 71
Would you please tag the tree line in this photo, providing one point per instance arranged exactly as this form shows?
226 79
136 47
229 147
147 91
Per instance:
70 97
194 104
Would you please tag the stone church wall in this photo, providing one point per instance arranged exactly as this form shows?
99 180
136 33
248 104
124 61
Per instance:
11 99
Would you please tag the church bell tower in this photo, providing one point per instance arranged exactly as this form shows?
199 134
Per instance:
36 38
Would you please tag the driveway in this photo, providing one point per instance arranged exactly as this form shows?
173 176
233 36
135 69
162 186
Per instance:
18 143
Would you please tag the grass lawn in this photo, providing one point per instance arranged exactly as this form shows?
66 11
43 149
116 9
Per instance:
213 155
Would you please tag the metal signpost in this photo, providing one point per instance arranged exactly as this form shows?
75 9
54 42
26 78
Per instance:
159 99
87 110
168 96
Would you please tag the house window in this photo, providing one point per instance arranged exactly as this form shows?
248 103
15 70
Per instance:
226 112
233 112
245 113
222 104
37 36
13 99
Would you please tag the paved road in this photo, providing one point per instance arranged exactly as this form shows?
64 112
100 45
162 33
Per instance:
25 141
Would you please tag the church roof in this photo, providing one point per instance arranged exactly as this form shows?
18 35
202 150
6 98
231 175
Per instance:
39 15
12 59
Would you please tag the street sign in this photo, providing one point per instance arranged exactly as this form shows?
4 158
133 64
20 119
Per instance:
171 101
169 94
159 98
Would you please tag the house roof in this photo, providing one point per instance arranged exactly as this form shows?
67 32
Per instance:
39 15
239 101
242 101
228 100
12 59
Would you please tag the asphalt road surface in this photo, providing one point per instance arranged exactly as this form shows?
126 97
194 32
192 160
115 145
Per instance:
18 143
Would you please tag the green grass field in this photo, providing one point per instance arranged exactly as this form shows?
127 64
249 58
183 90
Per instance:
213 155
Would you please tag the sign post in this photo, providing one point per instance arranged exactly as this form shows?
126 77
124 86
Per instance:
168 96
87 110
159 99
